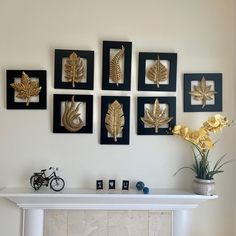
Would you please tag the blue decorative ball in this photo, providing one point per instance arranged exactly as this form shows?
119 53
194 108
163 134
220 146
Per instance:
145 190
140 185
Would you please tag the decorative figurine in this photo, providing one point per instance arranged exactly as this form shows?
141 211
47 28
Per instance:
146 190
112 184
140 185
39 179
125 185
99 184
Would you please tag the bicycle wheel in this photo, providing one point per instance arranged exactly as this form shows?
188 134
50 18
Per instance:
36 181
57 184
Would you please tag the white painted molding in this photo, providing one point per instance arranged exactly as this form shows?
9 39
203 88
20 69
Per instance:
74 198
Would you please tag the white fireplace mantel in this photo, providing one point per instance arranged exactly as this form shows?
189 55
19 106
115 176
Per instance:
34 202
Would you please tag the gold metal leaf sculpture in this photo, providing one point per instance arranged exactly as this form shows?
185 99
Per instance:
115 70
74 69
115 120
202 92
26 88
156 117
71 118
157 73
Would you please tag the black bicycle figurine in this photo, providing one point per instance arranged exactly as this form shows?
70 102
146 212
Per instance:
39 179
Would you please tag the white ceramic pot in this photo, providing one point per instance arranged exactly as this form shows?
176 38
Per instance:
204 187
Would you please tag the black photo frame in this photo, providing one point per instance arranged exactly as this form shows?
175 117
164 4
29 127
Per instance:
142 70
216 78
99 184
107 46
61 54
112 184
57 112
125 185
40 75
170 101
105 102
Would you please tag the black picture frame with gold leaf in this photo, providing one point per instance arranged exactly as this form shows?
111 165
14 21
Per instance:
108 84
216 85
37 75
124 101
142 129
171 59
88 59
58 99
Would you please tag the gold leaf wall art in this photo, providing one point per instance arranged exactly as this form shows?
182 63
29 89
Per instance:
157 73
74 69
71 118
156 117
202 92
115 120
115 69
26 88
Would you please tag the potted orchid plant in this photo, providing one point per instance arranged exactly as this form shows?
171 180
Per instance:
202 143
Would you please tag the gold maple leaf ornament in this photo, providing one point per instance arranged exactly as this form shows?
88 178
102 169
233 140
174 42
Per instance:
156 117
202 92
115 120
26 88
157 72
74 69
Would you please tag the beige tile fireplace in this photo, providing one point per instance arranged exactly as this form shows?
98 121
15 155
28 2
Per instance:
107 223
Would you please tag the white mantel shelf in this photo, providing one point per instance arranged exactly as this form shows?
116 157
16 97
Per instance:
34 203
74 198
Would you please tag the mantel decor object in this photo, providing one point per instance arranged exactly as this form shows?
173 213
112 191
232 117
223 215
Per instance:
26 89
202 144
39 179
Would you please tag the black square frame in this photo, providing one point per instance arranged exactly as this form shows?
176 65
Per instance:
216 78
59 55
105 102
170 101
171 57
107 45
41 75
58 98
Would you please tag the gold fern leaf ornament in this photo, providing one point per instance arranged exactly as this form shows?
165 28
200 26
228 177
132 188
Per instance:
71 118
202 92
115 120
157 73
156 117
74 69
26 88
115 70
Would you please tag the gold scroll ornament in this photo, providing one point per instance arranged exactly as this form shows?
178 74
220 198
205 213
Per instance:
74 69
115 120
26 88
156 117
202 92
157 72
71 118
115 70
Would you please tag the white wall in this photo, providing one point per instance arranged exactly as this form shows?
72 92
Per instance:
201 32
